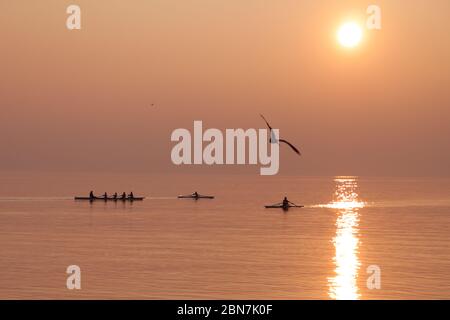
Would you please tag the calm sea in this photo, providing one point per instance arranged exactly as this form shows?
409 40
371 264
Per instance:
229 247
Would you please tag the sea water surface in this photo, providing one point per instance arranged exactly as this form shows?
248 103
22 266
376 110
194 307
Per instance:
227 248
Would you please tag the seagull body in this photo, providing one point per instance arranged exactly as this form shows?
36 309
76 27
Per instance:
274 138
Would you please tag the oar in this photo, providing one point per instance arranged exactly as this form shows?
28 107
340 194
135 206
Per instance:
294 204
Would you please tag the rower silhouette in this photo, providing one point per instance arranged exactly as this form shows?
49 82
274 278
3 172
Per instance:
286 202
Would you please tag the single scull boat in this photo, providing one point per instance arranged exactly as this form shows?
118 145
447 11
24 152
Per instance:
195 196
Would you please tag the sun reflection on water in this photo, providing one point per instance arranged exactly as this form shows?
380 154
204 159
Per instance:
343 285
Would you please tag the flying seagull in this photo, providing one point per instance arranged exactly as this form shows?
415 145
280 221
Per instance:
274 139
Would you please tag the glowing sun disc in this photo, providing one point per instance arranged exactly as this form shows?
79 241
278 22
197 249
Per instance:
349 34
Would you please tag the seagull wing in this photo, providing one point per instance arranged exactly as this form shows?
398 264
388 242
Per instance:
273 138
290 145
266 122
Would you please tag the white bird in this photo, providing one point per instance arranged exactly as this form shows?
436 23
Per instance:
274 139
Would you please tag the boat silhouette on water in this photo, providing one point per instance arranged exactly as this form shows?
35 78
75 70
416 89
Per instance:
195 196
110 198
285 205
115 197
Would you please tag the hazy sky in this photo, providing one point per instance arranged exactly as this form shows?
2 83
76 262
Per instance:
80 100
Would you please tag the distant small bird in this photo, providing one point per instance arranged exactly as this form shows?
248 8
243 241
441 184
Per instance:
274 139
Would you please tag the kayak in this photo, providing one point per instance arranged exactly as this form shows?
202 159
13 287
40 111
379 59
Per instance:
190 196
110 198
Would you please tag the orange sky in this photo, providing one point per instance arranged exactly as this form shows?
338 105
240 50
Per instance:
79 100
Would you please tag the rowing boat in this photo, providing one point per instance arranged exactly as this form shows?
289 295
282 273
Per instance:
281 206
191 196
110 198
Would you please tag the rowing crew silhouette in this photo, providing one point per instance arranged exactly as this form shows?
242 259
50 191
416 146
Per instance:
115 196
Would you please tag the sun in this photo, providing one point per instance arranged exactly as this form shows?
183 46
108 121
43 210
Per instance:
349 34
